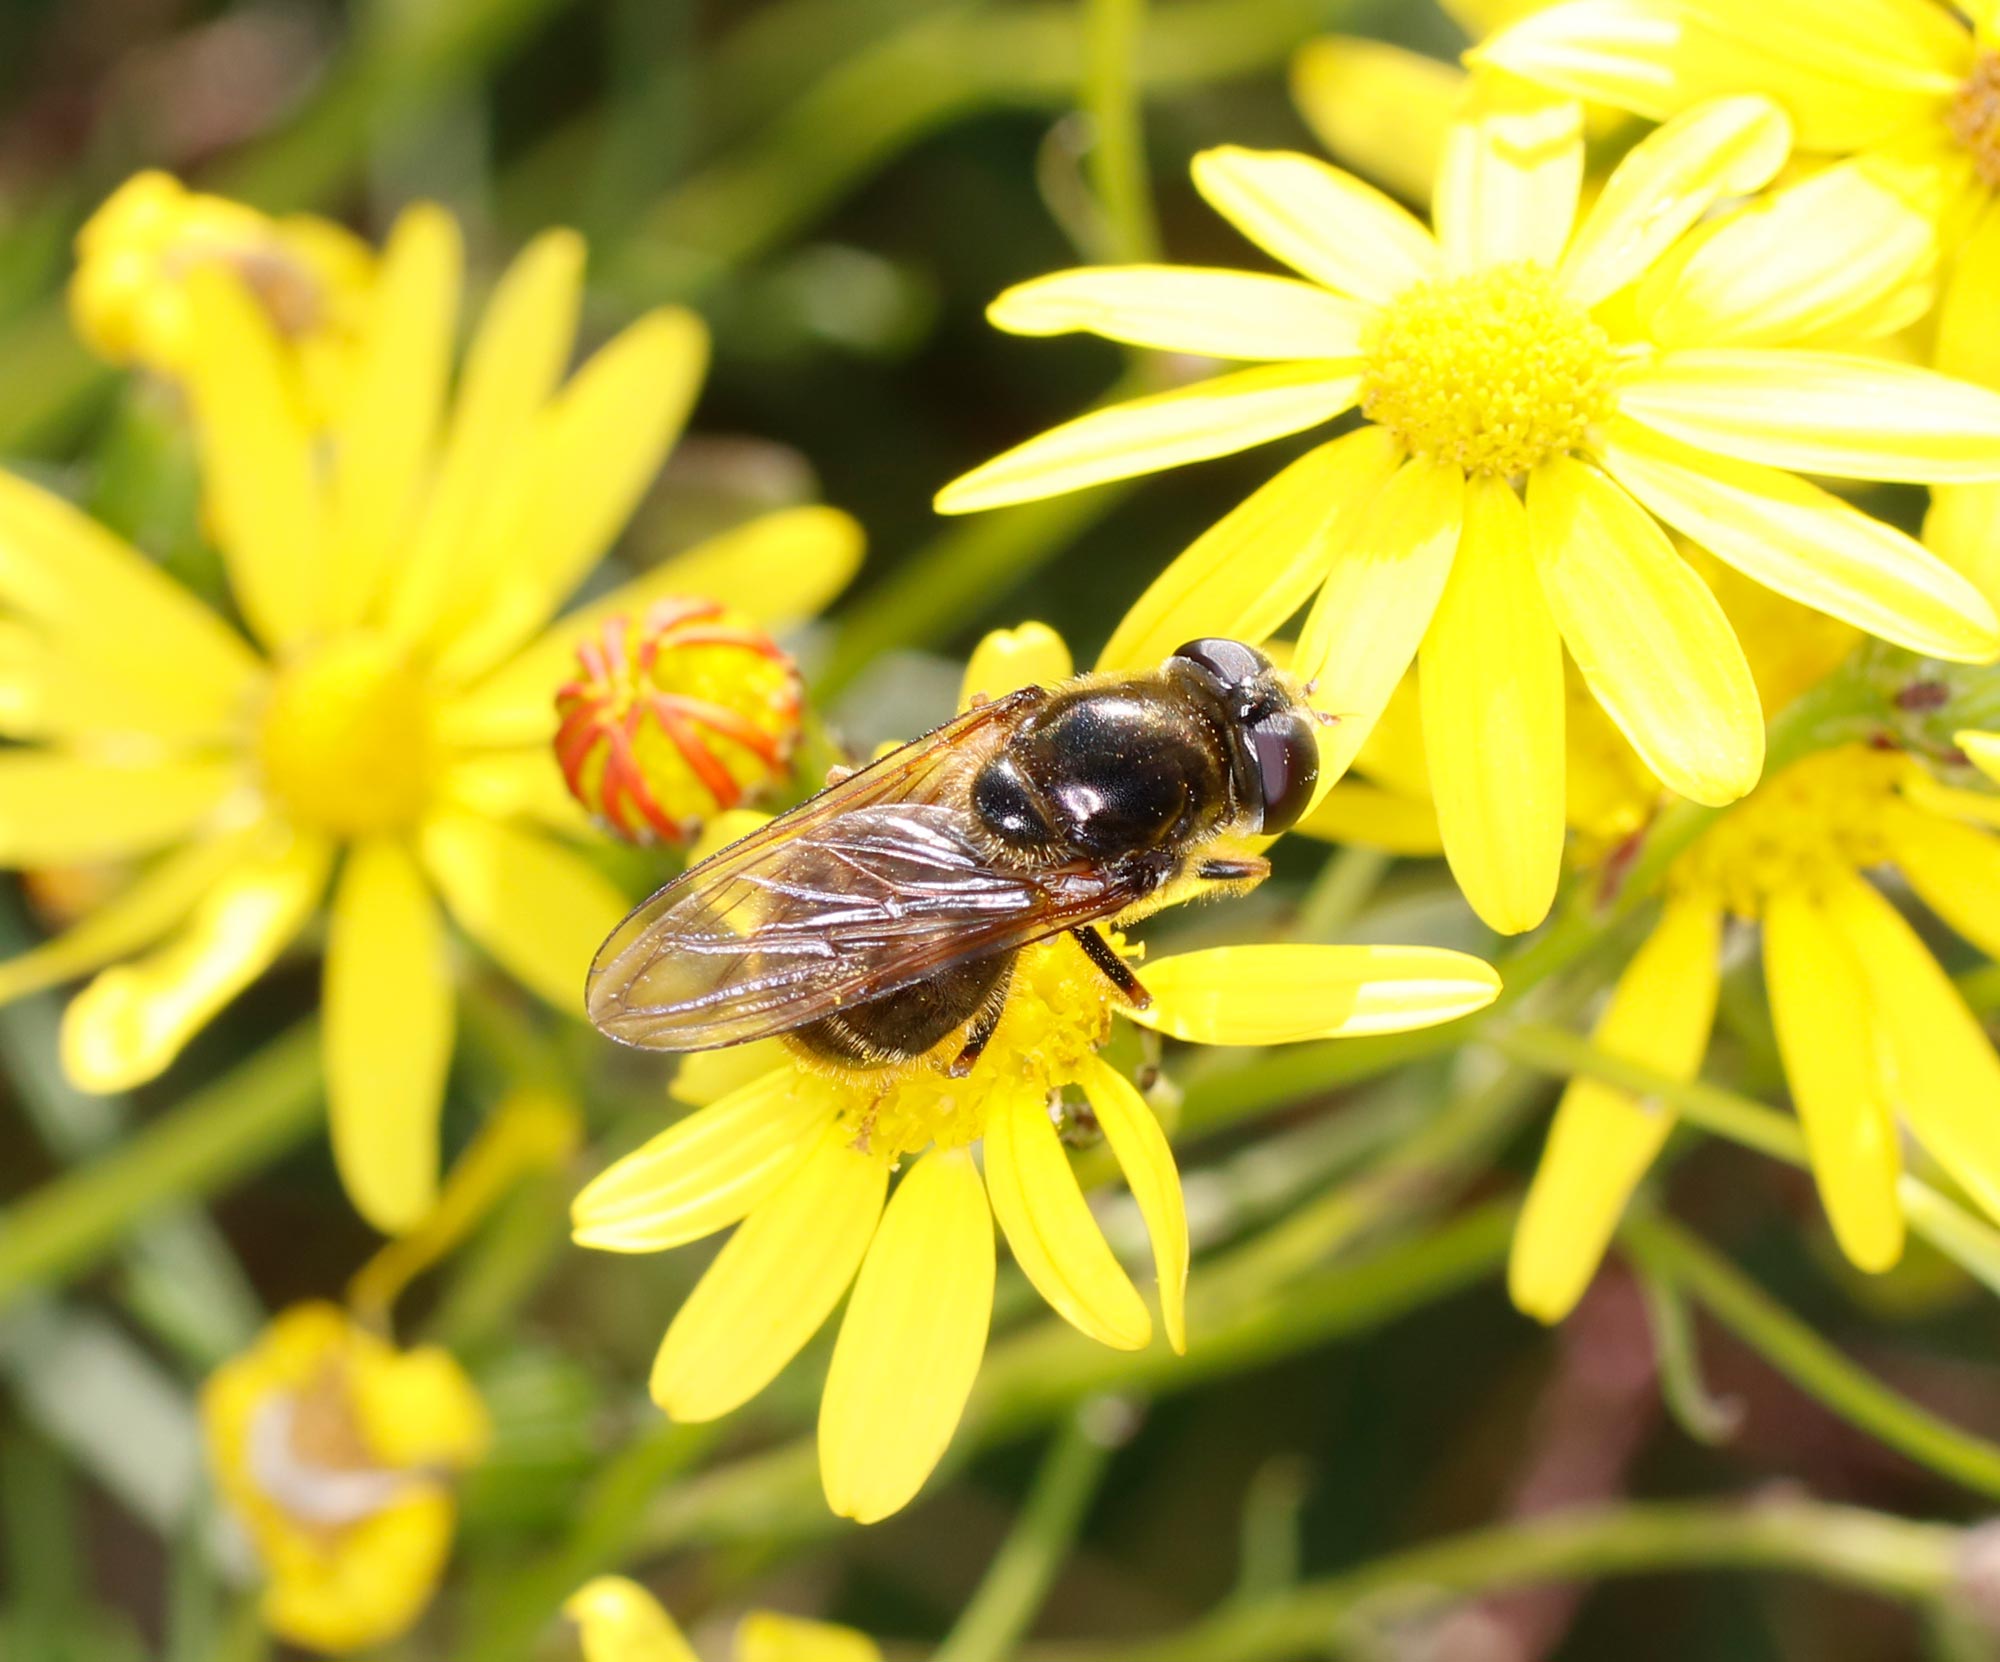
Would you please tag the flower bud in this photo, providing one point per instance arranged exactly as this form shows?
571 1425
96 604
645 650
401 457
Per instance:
678 715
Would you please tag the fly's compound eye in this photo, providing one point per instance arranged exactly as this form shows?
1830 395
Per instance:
1230 662
1287 754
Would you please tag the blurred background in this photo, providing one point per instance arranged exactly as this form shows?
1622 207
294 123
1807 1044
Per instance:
839 187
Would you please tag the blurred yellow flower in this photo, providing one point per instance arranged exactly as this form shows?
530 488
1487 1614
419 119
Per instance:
129 296
1624 378
619 1621
337 1452
1909 90
801 1155
400 572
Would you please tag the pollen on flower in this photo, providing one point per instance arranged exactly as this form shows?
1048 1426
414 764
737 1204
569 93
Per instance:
677 716
1820 817
1974 118
346 744
1493 372
1059 1010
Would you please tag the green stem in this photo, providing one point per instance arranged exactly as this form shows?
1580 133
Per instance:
1912 1561
264 1106
1019 1578
1117 159
1806 1359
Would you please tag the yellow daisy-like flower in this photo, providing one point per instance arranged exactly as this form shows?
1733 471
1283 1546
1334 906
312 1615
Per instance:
800 1156
1875 1039
129 297
400 572
337 1452
1543 397
1909 89
619 1621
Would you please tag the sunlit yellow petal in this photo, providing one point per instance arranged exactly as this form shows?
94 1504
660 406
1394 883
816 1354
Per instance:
707 1076
1944 1080
263 496
1371 817
131 1022
1652 643
1049 1227
540 909
1247 573
1318 220
1955 870
772 1284
1213 314
778 569
1033 655
62 809
387 427
1968 323
1806 543
1377 601
765 1637
1491 675
522 784
389 1004
1140 1147
1216 417
1665 183
1272 994
911 1340
1963 529
619 1621
1982 750
1820 412
1512 169
1602 1139
709 1171
1819 1006
1380 108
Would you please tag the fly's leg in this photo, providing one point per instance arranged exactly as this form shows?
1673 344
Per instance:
1119 973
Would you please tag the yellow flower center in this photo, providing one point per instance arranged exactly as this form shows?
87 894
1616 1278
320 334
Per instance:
346 744
1493 372
1059 1011
1820 816
1974 117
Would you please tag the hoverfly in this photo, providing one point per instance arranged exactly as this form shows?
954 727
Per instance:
884 915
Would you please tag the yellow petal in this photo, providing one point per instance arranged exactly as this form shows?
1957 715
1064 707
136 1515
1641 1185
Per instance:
1377 601
1321 222
111 614
1944 1080
1513 166
595 451
710 1075
1982 750
1380 108
1820 412
514 363
1212 314
1252 569
1272 994
1963 529
131 1022
522 784
711 1170
763 1636
59 809
1140 1147
538 908
389 1005
262 493
1368 816
1968 323
779 568
1808 261
1955 870
1049 1227
1216 417
387 427
772 1284
619 1621
1806 543
1664 185
1603 1139
911 1340
1033 655
1653 645
374 1588
1819 1006
1491 676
